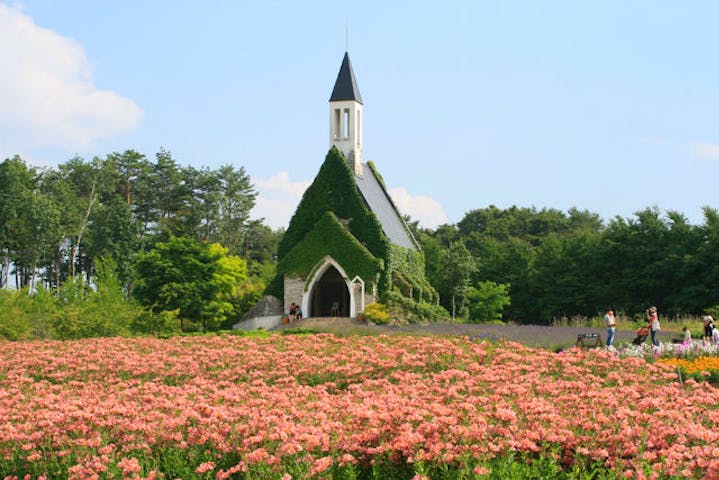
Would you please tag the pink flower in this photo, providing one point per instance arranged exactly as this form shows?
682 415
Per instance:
129 466
257 456
205 467
479 470
323 401
34 456
320 465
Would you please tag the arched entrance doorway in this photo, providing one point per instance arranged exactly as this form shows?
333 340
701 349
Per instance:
330 296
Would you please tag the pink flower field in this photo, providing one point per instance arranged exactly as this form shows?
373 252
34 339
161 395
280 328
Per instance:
321 406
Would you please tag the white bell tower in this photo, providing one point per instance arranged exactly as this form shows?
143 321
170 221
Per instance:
346 116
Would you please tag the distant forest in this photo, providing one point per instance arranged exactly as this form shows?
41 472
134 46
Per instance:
560 264
57 225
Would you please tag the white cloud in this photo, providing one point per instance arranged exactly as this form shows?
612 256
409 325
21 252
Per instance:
47 97
277 199
426 210
707 151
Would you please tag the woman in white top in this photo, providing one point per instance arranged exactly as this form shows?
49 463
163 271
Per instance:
611 323
653 322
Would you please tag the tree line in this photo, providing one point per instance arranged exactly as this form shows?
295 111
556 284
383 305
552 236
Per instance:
554 264
55 222
155 222
179 243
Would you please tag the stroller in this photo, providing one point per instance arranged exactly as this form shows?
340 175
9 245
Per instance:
642 335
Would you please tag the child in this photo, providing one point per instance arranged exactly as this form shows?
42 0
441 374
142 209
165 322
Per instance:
687 336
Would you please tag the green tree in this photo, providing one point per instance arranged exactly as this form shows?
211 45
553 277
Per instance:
237 198
35 230
706 258
169 195
115 233
584 220
132 172
82 183
260 244
432 249
487 301
509 262
17 184
457 266
567 276
196 278
680 267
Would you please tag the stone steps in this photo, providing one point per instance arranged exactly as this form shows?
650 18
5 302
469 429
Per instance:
321 322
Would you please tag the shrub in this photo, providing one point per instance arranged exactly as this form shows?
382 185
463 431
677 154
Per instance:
103 311
24 316
377 313
14 325
158 324
407 310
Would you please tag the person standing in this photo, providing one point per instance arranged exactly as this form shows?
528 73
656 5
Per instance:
653 323
687 336
611 324
708 327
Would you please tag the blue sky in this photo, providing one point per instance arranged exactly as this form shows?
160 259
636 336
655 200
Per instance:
607 106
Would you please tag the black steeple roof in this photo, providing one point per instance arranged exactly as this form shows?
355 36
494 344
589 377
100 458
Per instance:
346 85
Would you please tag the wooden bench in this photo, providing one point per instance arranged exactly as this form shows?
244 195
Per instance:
589 340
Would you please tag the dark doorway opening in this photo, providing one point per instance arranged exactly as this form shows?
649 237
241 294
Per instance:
330 296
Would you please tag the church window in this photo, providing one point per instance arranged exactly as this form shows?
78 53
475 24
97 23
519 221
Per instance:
346 123
337 123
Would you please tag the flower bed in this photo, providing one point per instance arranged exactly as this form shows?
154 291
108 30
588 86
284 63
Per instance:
691 350
321 406
699 368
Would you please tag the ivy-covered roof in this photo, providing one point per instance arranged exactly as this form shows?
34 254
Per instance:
334 189
330 237
346 86
381 204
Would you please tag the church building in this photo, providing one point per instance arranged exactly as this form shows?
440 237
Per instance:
347 244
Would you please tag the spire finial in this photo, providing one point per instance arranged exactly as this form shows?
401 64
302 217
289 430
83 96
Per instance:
347 36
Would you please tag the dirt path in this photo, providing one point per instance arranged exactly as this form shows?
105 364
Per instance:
533 335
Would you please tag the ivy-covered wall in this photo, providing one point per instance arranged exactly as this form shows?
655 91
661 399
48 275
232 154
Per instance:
407 274
331 237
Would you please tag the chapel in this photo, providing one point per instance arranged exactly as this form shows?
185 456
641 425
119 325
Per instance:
347 244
